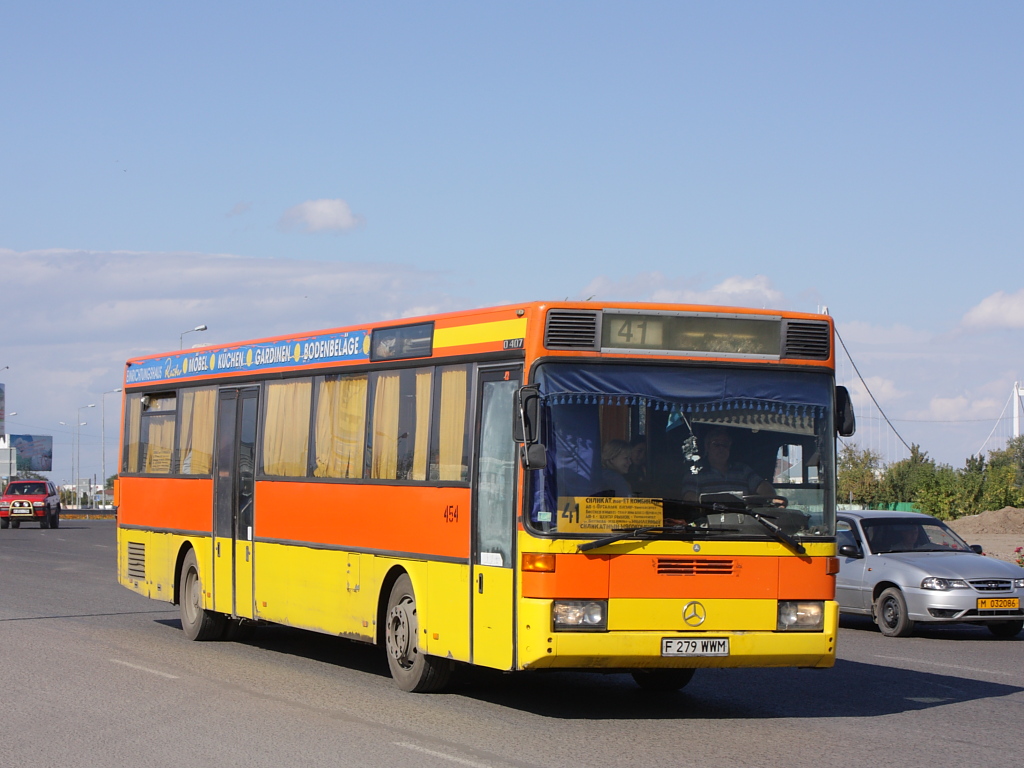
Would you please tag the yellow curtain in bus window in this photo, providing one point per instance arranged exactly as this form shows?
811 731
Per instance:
600 514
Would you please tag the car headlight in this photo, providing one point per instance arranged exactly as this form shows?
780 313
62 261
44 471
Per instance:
934 582
801 616
38 503
1018 583
580 615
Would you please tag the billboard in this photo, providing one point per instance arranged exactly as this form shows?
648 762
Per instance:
35 452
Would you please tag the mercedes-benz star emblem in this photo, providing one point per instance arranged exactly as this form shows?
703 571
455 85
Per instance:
694 614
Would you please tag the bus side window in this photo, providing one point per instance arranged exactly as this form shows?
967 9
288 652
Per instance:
286 427
449 442
340 426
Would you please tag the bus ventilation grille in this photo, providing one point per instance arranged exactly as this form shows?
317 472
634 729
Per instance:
570 329
136 560
806 340
693 566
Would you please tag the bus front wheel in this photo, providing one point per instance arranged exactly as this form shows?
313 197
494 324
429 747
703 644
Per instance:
412 669
662 679
198 623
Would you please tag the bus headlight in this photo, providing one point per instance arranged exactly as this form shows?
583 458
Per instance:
801 616
580 615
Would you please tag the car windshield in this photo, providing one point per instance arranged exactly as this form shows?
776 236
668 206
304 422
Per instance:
641 446
26 489
908 535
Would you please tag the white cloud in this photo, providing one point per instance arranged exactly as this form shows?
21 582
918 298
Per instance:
885 390
238 209
320 216
756 291
1000 310
860 332
102 308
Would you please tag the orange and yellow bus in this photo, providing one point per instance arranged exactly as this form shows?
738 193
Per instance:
643 488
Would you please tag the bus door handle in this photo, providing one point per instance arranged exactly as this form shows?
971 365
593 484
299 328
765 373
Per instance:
480 583
247 553
218 549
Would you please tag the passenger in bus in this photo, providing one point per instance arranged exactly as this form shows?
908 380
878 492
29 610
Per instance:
716 473
615 465
637 474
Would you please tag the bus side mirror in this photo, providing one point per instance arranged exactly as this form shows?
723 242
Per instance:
526 427
846 422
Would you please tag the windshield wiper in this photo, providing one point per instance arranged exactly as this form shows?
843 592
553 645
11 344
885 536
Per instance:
764 520
650 532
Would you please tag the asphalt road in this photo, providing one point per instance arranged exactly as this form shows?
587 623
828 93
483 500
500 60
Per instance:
94 675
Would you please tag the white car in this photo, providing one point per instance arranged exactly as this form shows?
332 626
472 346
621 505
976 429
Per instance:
901 568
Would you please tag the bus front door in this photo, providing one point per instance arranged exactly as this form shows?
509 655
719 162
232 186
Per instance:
494 522
234 475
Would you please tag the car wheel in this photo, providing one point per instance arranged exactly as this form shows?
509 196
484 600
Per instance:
1006 629
4 522
55 520
198 623
44 521
15 523
663 679
412 669
891 614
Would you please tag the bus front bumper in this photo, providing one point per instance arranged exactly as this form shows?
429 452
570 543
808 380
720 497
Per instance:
624 650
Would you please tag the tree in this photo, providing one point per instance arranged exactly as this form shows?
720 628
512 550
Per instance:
904 480
858 476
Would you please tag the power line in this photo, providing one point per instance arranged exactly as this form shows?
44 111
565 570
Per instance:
870 393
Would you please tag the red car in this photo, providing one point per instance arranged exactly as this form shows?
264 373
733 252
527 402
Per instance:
35 501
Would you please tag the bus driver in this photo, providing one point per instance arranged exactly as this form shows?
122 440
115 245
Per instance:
717 474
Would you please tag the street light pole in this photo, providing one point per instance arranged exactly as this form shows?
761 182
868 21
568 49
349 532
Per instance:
181 338
103 438
78 457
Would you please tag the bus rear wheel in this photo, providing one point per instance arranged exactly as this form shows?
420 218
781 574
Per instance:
411 669
198 623
662 679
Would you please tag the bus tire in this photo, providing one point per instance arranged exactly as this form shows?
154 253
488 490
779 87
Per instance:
411 669
663 679
198 623
891 614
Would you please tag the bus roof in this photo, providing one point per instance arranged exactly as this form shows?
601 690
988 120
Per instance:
512 329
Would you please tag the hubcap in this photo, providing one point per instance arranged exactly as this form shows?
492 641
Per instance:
399 633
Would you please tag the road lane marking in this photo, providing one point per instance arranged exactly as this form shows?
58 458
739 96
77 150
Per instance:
442 755
145 669
948 666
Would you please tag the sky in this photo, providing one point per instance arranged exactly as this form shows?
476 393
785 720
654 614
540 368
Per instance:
267 168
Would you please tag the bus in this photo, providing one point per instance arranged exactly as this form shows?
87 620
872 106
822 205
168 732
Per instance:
530 487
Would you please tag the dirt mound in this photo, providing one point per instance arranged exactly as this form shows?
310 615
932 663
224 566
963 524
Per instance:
1007 520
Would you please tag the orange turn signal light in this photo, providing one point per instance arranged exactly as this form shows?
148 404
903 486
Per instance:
538 563
832 566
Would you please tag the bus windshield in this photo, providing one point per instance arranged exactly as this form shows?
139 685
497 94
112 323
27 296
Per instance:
684 449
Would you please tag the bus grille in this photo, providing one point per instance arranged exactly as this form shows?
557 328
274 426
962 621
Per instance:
137 560
806 340
692 566
571 329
